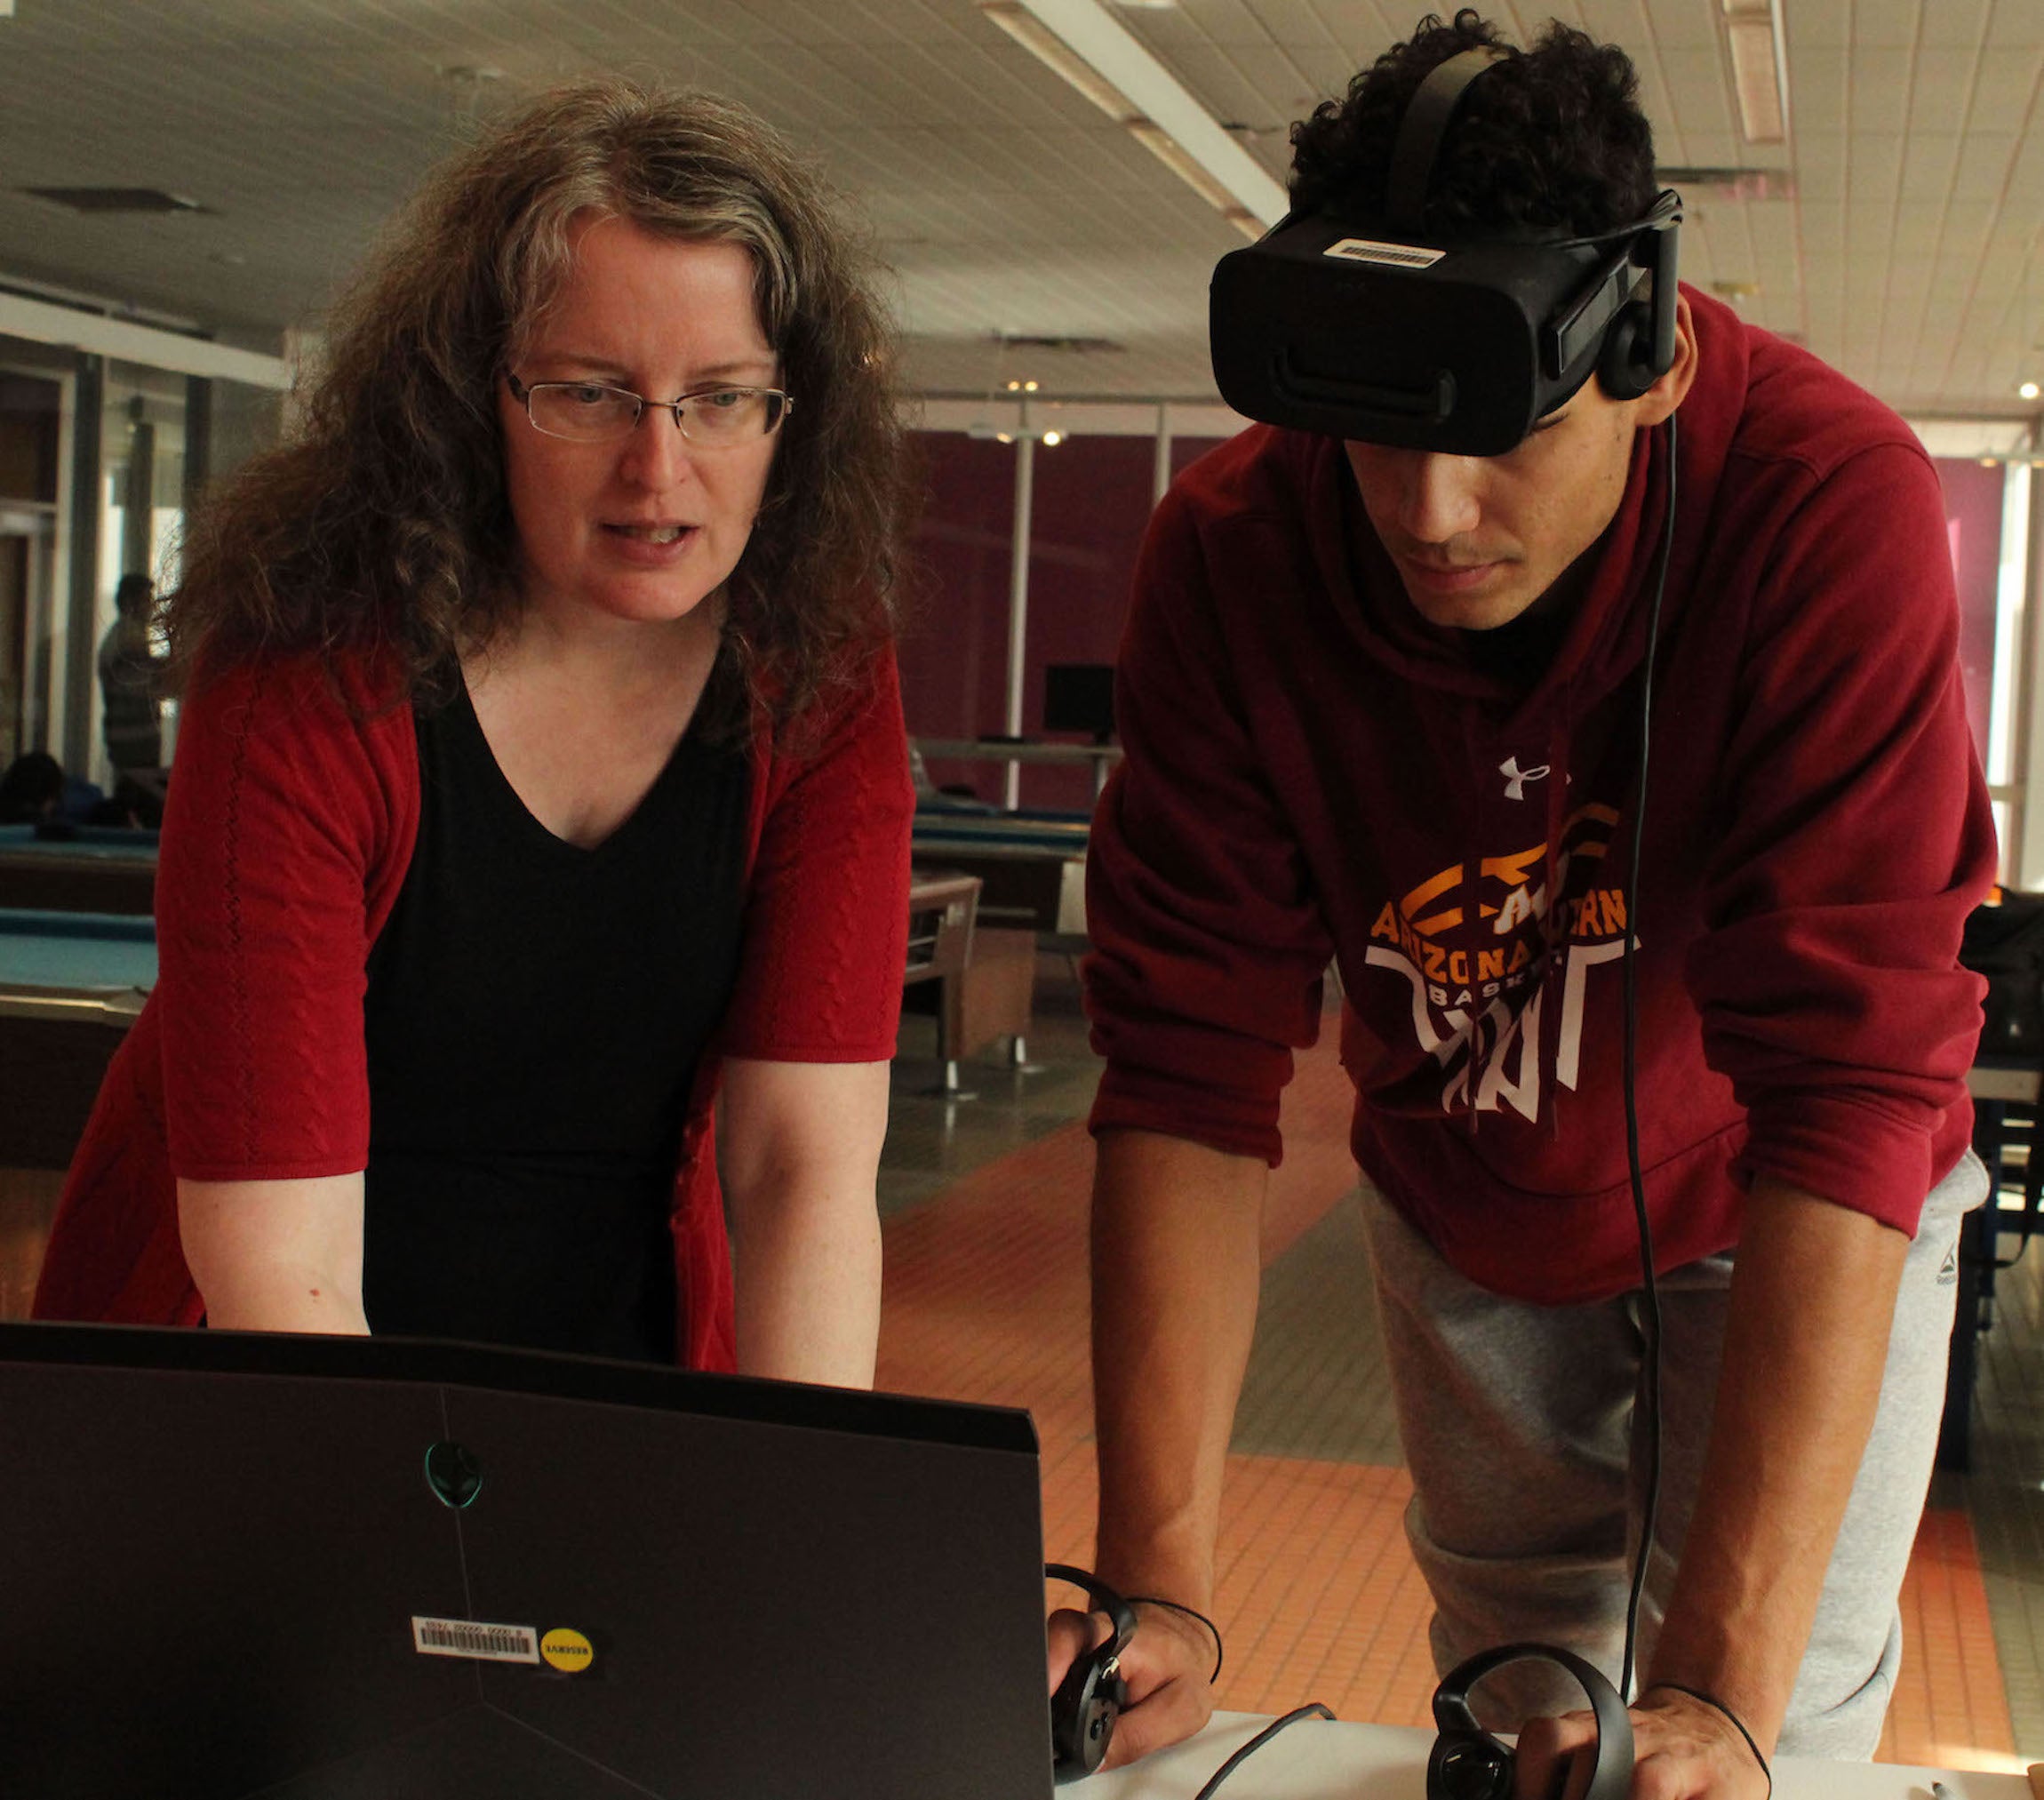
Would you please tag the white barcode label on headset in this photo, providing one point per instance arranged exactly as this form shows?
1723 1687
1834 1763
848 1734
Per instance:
1398 255
472 1638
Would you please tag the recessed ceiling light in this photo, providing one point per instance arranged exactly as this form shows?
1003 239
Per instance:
1078 346
2029 390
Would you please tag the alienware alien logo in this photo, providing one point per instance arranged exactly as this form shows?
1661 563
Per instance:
1516 778
453 1474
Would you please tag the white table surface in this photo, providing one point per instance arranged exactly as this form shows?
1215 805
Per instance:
1316 1760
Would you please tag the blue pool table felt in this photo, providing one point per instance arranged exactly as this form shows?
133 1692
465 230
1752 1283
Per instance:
111 842
76 951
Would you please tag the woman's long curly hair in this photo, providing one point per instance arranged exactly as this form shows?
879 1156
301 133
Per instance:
378 533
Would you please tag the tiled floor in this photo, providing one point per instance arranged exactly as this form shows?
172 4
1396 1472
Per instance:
985 1300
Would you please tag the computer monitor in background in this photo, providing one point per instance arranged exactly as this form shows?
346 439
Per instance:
326 1568
1080 697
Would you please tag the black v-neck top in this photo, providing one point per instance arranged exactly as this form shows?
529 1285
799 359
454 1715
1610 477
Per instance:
535 1014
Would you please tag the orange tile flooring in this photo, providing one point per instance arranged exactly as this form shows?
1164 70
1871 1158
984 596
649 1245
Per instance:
985 1300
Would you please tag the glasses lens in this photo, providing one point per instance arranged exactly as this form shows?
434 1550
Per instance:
583 410
730 415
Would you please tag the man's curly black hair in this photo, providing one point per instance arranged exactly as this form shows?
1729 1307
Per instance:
1552 137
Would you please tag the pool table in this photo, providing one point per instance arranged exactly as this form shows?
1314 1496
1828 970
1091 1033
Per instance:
84 868
70 985
72 982
1032 866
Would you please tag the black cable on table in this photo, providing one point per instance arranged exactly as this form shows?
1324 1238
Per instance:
1312 1709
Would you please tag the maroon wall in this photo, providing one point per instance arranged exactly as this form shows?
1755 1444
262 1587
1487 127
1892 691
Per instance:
1091 501
955 642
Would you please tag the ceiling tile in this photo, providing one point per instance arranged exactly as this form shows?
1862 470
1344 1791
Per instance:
2016 24
1004 200
1952 24
1890 23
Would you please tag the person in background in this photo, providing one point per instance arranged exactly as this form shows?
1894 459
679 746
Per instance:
36 790
539 838
130 719
32 790
1381 705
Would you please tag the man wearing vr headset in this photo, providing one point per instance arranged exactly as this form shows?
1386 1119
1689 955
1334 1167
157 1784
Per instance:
1381 696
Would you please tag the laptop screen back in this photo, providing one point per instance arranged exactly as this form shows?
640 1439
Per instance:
317 1568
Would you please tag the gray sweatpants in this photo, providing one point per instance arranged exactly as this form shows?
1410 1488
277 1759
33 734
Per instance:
1529 1478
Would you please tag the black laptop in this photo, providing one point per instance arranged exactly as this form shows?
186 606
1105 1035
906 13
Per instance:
312 1568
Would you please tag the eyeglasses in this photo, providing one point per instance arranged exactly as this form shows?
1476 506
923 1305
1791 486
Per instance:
590 412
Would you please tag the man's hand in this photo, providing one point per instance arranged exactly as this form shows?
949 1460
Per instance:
1682 1749
1165 1664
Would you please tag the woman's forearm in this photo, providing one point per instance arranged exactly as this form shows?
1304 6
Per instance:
277 1256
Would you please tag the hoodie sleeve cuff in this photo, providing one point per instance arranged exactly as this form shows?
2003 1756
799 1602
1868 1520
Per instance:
1854 1154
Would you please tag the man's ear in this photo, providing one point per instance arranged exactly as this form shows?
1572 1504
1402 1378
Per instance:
1668 391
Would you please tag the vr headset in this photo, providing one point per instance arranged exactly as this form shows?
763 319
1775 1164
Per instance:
1381 334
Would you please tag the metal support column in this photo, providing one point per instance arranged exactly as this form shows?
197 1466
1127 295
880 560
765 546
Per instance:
81 639
1019 599
198 439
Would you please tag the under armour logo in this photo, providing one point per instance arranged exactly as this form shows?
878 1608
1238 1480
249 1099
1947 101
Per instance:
1516 778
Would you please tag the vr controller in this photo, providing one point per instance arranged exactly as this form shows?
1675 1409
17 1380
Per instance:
1469 1764
1092 1695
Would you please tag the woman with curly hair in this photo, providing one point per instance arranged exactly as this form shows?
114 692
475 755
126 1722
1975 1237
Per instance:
542 791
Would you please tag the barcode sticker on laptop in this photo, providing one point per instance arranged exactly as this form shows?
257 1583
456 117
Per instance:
472 1638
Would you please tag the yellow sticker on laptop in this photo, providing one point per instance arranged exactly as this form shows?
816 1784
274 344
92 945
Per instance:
567 1650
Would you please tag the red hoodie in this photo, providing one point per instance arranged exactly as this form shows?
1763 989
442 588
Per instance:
1313 770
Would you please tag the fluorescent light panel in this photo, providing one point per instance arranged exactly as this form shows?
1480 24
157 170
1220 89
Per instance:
1169 151
1760 72
1051 49
1096 55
